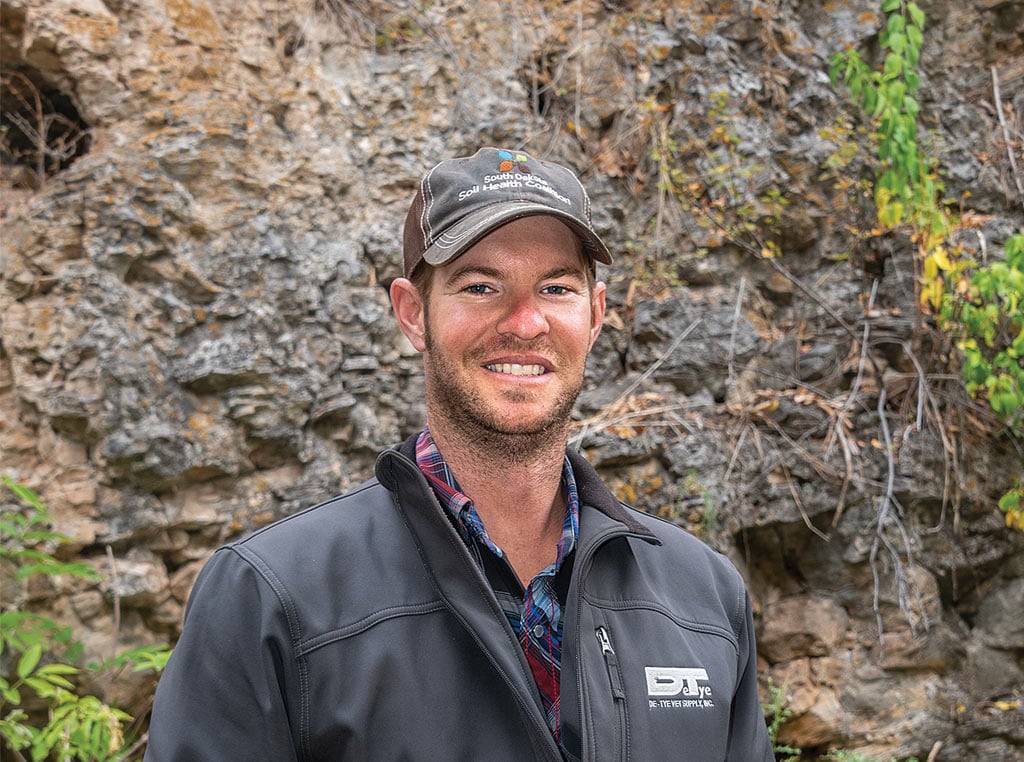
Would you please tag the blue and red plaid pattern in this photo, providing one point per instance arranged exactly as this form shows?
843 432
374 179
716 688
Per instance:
538 623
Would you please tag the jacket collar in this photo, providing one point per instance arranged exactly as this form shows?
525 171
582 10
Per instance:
592 490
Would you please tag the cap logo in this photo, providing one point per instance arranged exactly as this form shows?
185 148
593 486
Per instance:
509 162
514 181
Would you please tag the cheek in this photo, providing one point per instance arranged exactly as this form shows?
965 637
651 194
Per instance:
446 334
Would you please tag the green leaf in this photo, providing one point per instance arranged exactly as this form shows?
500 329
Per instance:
916 15
12 525
893 65
1010 501
24 494
58 669
896 24
1014 250
29 660
913 56
915 37
1002 404
856 83
42 688
151 657
890 5
870 99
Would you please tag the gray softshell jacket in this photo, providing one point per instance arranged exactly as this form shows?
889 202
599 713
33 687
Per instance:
362 629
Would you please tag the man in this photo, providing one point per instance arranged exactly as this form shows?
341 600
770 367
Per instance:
485 597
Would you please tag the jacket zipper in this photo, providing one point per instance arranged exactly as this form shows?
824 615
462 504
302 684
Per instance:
611 663
546 739
585 561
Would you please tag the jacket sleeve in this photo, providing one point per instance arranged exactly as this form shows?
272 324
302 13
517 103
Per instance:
748 736
222 695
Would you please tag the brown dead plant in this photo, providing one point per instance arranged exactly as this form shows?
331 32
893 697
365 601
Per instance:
35 135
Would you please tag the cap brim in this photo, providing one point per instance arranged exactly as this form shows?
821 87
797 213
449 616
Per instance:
466 232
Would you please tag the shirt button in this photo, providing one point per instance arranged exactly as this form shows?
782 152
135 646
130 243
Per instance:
538 631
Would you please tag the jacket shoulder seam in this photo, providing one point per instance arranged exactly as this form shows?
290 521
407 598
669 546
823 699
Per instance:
291 617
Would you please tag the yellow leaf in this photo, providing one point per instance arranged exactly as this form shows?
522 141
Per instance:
941 257
1015 519
931 268
931 292
1007 706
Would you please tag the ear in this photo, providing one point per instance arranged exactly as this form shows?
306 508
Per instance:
408 307
597 308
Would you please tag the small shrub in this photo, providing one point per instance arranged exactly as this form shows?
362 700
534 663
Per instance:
70 725
776 713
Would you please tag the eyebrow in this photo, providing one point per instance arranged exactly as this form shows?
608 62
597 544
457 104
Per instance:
493 272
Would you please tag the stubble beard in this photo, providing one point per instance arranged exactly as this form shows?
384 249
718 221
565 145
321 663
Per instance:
469 418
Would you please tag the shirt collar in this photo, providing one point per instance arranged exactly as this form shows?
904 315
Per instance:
431 462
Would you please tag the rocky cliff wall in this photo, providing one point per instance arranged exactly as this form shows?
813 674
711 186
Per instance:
195 339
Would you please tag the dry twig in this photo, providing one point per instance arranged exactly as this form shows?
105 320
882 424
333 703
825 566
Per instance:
800 506
604 418
735 326
1006 135
115 589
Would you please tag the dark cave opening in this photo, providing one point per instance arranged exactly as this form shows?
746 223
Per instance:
41 130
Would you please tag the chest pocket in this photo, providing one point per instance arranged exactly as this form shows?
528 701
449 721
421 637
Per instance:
656 689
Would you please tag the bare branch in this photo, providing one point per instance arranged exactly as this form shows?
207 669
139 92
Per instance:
1006 135
115 589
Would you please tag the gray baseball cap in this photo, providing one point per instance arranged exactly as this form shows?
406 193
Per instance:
461 200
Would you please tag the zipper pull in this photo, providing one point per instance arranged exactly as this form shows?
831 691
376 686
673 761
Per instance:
611 663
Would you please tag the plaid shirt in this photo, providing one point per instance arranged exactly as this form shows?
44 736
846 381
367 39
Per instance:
535 613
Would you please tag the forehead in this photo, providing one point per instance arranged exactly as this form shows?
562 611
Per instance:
535 243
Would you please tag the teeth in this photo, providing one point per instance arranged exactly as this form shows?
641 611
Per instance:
515 369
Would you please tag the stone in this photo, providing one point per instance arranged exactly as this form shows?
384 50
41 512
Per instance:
141 579
999 621
993 673
182 579
800 626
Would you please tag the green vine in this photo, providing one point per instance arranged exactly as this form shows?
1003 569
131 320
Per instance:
989 320
980 307
907 186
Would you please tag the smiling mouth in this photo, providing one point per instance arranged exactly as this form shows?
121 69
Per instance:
515 369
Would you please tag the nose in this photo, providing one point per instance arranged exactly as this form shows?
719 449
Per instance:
524 318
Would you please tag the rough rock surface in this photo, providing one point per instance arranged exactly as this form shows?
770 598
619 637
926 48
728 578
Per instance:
195 340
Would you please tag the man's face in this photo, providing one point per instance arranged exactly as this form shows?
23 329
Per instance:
507 331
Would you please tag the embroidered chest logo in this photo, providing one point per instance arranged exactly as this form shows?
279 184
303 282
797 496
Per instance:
678 688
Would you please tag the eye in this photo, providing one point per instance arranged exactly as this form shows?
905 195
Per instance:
477 288
558 290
